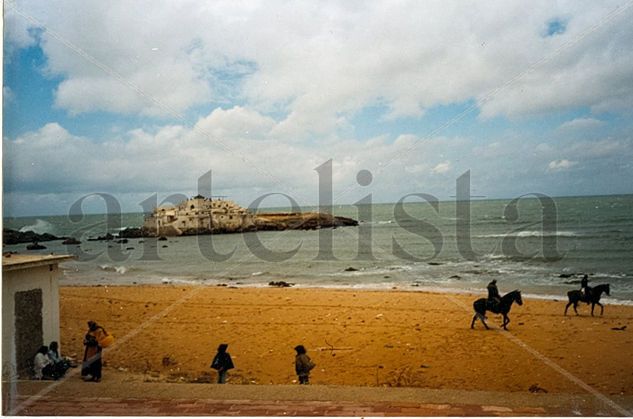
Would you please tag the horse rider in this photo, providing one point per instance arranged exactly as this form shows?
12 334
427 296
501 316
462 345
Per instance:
493 295
585 288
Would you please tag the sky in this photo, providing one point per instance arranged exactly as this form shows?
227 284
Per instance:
139 99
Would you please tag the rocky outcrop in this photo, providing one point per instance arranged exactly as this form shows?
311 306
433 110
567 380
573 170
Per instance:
301 221
261 222
16 237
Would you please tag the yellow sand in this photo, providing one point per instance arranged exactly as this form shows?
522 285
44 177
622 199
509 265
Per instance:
365 338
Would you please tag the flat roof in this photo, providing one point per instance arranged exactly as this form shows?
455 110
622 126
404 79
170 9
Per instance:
13 261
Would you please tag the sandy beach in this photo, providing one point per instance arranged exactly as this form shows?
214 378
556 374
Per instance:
363 338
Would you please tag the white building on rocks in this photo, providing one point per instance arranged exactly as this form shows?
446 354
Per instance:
199 215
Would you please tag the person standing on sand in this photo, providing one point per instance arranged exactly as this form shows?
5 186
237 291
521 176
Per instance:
222 362
303 365
92 362
493 295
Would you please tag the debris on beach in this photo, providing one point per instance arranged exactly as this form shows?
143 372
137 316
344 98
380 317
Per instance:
168 360
204 378
534 388
280 284
619 328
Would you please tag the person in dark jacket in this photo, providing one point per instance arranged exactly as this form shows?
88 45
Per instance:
303 365
493 295
222 362
585 289
60 365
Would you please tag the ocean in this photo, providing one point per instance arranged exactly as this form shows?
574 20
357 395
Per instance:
537 245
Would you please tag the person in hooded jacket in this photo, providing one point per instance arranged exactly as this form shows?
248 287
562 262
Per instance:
303 365
222 362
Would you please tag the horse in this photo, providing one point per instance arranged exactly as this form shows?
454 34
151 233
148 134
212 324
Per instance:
576 296
503 308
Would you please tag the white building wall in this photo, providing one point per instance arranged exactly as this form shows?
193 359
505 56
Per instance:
47 279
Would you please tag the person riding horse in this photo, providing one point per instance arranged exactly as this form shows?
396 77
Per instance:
493 295
585 289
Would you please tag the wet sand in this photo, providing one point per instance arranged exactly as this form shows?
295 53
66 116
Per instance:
364 338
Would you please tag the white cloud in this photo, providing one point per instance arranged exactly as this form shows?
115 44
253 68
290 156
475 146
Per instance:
581 124
441 168
170 158
7 95
561 165
319 64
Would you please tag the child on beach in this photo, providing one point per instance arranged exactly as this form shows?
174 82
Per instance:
303 365
222 362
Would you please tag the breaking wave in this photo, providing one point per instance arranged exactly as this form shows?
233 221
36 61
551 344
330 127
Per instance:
530 233
39 227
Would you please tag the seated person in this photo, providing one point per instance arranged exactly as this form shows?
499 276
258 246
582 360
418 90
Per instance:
60 365
42 365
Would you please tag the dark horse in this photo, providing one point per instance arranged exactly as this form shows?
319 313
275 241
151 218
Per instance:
503 308
595 293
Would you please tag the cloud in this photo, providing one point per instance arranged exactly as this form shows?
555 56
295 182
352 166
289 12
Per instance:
560 165
581 124
441 168
320 65
7 95
247 161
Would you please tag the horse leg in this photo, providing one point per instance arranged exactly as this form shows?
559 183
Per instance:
566 307
506 320
576 305
472 324
601 308
592 307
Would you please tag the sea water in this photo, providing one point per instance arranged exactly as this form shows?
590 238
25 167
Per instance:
525 244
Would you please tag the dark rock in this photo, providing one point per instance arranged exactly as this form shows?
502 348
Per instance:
454 277
435 263
16 237
280 284
133 233
122 241
162 238
71 240
565 275
35 246
350 269
534 388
